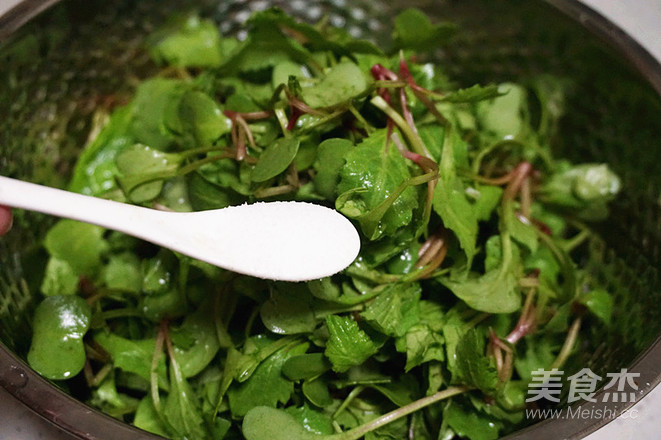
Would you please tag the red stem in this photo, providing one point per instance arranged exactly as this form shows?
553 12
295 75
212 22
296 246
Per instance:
516 178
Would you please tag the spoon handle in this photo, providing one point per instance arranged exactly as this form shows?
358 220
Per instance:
118 216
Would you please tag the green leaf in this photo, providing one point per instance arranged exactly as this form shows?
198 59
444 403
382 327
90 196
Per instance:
203 117
397 429
328 164
494 253
312 420
450 201
401 392
305 366
414 30
421 344
471 424
494 292
147 419
545 261
181 409
405 261
600 304
329 39
537 354
155 102
316 391
229 174
110 401
451 204
395 310
374 171
81 245
424 342
275 159
455 326
284 70
143 170
205 194
132 356
504 115
95 170
201 327
266 386
265 423
158 273
474 93
487 198
166 305
174 196
472 366
187 41
348 345
123 272
59 324
523 232
325 289
265 47
59 278
289 309
581 186
341 84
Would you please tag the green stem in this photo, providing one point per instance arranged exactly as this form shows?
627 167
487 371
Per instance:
477 163
153 382
566 264
578 239
120 313
224 300
201 150
371 219
189 168
347 401
358 432
567 347
506 241
281 116
322 120
356 114
264 353
415 141
388 84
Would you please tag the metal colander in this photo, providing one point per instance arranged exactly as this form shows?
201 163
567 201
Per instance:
80 55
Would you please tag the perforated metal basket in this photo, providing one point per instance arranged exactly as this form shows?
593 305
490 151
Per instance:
84 53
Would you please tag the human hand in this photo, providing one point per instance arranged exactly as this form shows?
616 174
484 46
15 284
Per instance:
5 220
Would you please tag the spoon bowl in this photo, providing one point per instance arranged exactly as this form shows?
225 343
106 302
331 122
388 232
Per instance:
288 241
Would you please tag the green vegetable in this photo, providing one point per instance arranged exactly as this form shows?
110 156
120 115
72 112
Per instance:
80 245
60 322
187 41
414 30
342 83
275 159
472 234
373 172
348 345
203 117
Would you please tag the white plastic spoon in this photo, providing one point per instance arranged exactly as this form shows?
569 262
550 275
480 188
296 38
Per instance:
290 241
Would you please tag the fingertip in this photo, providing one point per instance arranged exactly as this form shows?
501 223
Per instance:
5 220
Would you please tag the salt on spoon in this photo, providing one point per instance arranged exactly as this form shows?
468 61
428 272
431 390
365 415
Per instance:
289 241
